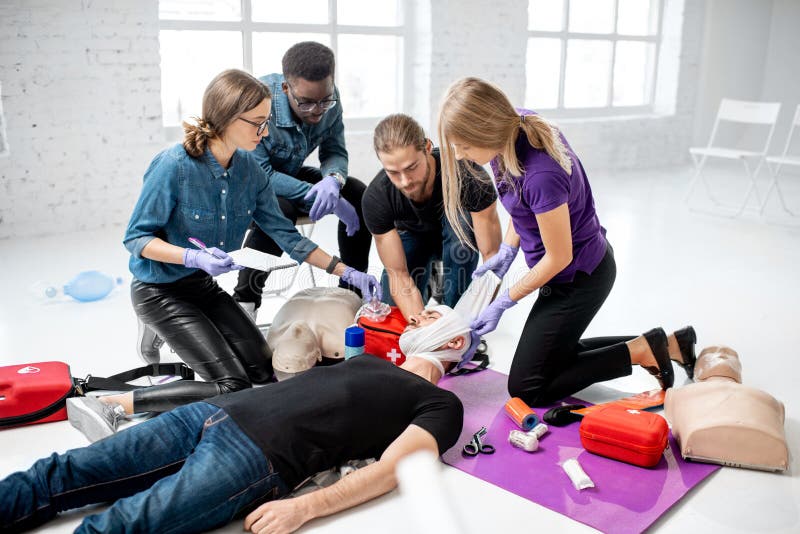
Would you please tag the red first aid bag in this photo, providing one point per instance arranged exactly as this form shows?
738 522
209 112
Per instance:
34 393
382 339
38 392
629 435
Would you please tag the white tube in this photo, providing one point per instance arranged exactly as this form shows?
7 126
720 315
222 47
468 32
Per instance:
429 503
576 474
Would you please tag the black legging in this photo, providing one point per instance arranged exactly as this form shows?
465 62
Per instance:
207 330
551 360
354 250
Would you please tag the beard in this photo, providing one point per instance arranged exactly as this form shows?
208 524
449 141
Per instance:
418 195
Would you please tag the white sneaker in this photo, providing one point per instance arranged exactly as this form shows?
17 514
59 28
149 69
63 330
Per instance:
95 419
250 309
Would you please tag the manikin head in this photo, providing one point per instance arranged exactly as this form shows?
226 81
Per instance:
297 350
405 154
308 69
309 328
718 363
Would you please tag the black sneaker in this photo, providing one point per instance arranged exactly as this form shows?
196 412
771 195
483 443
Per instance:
94 418
148 344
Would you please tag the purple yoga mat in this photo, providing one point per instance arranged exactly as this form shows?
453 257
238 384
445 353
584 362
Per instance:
625 498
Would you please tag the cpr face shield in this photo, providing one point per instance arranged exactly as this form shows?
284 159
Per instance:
423 341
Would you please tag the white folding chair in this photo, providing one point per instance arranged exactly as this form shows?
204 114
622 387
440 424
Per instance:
278 288
775 163
743 112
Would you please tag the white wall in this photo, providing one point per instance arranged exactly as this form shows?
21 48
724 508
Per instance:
81 93
81 97
781 79
736 39
662 138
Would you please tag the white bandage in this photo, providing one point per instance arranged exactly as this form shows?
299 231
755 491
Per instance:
576 474
477 296
525 441
423 342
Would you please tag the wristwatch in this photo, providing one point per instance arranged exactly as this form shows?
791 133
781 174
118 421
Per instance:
339 178
335 260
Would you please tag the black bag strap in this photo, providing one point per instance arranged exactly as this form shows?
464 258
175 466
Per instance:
481 358
119 381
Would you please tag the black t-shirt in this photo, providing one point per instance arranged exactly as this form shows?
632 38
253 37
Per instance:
386 208
329 415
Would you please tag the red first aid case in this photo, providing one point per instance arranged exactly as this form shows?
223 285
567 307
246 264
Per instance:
38 392
382 338
629 435
34 393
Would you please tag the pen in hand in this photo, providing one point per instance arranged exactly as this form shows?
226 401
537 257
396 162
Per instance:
202 246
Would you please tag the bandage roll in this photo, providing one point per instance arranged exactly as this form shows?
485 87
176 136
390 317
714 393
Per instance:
538 431
521 440
521 413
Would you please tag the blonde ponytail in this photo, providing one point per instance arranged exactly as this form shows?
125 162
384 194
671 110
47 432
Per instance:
542 134
477 113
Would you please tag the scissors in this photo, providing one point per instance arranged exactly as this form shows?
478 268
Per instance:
476 446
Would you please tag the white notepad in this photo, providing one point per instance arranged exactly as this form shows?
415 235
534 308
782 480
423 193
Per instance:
262 261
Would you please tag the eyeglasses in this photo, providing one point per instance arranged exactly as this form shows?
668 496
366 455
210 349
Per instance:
260 126
307 107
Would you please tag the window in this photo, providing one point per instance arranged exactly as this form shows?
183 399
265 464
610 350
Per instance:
592 57
200 38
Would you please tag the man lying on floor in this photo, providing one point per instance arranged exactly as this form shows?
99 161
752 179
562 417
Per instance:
199 466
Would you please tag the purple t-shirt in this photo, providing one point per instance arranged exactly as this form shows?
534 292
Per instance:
544 186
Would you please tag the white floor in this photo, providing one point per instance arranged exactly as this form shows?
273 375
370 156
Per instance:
733 279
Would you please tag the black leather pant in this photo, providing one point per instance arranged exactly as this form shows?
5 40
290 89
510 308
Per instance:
207 330
353 250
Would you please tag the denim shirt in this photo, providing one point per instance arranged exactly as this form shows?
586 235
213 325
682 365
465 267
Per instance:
283 151
186 197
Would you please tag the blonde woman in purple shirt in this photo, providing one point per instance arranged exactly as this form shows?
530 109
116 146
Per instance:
542 185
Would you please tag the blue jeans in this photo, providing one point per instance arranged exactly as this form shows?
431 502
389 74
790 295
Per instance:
458 262
188 470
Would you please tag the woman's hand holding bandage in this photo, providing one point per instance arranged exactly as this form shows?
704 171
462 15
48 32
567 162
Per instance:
499 263
487 320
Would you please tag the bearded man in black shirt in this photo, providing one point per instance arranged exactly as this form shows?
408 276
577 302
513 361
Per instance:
199 466
404 211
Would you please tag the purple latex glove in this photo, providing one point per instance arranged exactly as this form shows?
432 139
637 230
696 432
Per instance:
488 318
475 340
347 214
327 195
499 263
368 284
212 260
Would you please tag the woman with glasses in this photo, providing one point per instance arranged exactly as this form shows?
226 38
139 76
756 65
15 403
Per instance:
206 189
542 185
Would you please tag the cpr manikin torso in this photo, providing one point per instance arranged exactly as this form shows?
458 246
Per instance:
719 420
309 326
